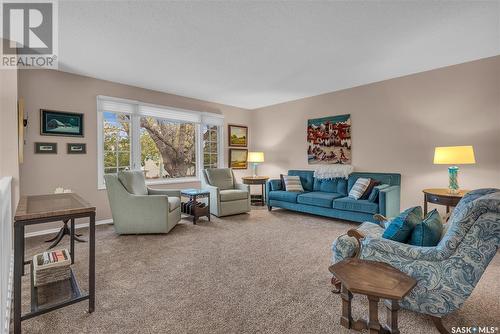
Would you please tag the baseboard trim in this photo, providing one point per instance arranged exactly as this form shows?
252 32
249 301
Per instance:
55 230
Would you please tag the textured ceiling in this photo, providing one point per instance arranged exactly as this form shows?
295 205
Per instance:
254 54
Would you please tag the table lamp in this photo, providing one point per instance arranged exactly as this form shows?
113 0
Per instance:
454 155
255 158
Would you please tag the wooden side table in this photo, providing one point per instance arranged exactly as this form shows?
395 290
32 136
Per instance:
251 180
194 207
442 196
377 281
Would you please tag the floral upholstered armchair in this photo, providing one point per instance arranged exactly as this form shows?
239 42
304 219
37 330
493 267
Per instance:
445 274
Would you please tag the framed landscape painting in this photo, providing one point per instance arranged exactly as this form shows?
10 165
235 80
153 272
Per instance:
238 135
57 123
238 158
329 140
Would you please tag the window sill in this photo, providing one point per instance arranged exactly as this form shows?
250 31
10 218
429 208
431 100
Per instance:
164 181
173 181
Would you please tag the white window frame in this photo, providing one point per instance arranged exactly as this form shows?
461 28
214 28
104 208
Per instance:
136 109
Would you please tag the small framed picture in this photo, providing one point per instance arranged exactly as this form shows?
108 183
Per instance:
77 148
46 148
58 123
238 135
238 158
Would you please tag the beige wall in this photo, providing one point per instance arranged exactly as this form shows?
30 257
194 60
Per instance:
57 90
396 124
9 165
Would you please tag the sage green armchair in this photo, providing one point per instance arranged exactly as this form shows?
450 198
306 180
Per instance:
137 209
227 197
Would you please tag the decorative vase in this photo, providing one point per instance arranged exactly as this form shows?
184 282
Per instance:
453 179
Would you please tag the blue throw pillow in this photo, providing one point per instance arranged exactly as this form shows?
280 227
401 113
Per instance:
400 228
374 194
428 232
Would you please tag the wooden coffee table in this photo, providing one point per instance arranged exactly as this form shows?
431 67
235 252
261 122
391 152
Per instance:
377 281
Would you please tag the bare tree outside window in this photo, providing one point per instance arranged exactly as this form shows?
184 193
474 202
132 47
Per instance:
168 149
116 142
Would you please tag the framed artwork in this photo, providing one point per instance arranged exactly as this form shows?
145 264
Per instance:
77 148
58 123
238 158
46 148
329 140
238 135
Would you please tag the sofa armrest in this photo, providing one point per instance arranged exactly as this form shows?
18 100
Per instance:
167 192
388 201
274 184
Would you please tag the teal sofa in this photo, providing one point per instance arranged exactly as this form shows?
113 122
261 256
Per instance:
328 197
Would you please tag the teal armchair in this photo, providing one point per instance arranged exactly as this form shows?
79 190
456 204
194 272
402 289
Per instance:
137 209
227 197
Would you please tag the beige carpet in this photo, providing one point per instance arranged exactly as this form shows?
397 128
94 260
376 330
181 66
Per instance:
255 273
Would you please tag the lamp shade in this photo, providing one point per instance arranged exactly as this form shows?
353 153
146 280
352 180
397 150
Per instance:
255 157
454 155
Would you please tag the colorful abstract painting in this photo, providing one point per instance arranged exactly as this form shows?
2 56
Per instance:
329 140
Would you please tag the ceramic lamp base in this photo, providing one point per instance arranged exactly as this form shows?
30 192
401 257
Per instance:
254 169
453 180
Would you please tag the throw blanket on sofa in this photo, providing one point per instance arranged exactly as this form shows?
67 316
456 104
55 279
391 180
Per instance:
333 171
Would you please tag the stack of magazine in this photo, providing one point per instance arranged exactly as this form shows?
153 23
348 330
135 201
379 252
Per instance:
51 266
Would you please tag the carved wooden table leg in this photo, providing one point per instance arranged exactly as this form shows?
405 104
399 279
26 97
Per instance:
346 318
373 324
392 307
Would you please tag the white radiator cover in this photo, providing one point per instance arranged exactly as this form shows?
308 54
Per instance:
6 254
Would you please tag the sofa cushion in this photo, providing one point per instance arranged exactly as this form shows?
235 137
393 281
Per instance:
337 185
285 196
134 182
173 203
399 228
318 198
428 232
306 178
220 177
358 205
233 195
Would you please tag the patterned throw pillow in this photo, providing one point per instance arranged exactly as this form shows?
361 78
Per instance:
292 183
373 183
359 188
400 228
428 232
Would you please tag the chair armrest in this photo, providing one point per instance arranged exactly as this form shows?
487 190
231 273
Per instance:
241 186
214 191
359 236
381 248
167 192
388 199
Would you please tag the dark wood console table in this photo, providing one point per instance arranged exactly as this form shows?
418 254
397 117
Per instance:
40 209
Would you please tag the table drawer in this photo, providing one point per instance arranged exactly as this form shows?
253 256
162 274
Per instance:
442 200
